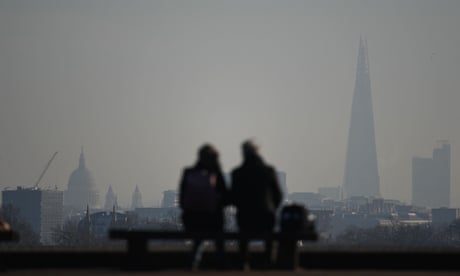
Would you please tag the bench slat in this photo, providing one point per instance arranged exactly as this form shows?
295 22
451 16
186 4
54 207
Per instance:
149 234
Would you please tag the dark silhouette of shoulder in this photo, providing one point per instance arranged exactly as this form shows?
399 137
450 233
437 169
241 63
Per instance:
255 188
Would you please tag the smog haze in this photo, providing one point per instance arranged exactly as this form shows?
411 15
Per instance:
140 85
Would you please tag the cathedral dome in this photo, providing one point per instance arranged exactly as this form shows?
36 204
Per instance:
81 188
81 177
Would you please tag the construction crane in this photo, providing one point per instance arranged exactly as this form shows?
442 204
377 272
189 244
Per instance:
44 171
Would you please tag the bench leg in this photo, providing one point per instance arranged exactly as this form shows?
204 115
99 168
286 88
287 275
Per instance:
137 253
287 256
137 246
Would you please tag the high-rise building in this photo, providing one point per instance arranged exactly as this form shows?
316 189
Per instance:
431 178
361 173
42 209
169 199
81 190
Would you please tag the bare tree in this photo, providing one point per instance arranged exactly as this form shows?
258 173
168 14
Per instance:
69 235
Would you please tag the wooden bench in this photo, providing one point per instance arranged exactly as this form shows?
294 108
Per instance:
137 240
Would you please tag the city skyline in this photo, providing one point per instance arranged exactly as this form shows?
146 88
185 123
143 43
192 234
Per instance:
141 85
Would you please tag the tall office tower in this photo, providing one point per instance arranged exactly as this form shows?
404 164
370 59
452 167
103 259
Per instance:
42 209
169 199
81 190
361 173
431 178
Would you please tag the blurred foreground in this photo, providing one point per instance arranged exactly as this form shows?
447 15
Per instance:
175 261
226 273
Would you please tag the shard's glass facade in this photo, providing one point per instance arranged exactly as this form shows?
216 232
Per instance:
361 172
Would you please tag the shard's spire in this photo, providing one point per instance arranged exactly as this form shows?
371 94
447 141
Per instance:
361 173
363 63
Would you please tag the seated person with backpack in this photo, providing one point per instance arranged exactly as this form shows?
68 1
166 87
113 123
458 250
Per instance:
202 193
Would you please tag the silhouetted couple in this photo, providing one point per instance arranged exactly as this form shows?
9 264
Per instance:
255 192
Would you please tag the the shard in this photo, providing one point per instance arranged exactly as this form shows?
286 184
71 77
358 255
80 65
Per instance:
361 172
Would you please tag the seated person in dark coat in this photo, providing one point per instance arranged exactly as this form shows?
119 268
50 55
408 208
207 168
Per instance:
256 195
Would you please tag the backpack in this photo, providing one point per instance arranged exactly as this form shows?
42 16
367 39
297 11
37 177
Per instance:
200 193
294 218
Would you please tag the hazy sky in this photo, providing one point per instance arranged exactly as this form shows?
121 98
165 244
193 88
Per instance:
142 84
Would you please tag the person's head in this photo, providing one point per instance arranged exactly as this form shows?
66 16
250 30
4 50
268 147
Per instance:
208 157
250 150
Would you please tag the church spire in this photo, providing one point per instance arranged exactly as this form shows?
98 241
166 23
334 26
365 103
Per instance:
110 198
81 162
136 199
